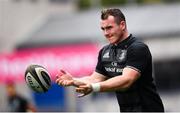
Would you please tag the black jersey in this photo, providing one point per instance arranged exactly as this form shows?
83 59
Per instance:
17 104
131 52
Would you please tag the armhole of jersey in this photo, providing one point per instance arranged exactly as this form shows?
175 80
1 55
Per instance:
100 72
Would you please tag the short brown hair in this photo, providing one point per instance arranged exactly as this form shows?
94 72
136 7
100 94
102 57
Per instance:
116 13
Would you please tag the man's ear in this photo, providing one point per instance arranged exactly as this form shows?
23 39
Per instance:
123 25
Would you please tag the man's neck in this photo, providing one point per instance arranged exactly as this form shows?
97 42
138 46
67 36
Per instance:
123 37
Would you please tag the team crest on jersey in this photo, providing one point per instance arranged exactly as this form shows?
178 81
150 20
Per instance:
122 55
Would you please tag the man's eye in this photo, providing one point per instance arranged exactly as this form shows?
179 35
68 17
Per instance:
109 27
102 28
106 28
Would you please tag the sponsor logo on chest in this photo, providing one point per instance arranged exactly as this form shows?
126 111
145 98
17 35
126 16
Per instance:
115 63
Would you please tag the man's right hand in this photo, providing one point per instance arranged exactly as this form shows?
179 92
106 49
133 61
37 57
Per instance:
64 78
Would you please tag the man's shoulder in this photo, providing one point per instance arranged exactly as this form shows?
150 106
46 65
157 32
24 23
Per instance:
105 47
139 46
21 98
137 43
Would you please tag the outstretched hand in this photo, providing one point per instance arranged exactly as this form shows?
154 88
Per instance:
84 90
64 78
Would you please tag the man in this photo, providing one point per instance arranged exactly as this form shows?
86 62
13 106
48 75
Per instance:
124 66
16 102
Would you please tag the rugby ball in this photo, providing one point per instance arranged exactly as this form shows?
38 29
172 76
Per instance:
37 78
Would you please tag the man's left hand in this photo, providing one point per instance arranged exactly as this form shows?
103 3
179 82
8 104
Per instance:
84 90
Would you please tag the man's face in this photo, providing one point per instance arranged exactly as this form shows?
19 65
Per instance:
10 90
112 31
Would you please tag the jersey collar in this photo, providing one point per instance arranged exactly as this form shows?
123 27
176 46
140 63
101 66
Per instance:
124 43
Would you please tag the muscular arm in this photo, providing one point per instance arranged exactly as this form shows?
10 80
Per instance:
129 76
64 78
94 78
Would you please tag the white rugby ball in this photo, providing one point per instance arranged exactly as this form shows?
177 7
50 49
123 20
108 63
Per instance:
37 78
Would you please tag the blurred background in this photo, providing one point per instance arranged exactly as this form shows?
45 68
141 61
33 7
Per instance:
66 34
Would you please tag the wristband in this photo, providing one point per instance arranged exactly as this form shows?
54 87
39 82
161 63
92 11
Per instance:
96 87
